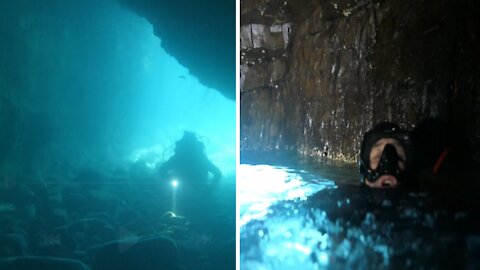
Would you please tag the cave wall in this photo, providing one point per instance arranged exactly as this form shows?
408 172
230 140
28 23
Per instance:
200 37
344 66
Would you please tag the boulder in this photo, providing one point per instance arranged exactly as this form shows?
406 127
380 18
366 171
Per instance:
146 253
13 244
41 263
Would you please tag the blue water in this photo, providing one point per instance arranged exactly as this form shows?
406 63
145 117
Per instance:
304 216
90 106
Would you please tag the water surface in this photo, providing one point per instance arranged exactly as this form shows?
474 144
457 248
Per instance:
304 215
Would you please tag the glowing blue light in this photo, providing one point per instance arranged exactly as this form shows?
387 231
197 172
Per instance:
174 183
260 186
152 155
384 250
163 107
302 248
323 258
286 239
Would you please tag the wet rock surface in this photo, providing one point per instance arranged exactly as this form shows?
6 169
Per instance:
33 262
94 220
156 253
347 65
209 25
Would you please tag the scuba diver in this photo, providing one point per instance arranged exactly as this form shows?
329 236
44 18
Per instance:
190 164
386 156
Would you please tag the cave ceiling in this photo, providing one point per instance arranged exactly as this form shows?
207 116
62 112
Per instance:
200 37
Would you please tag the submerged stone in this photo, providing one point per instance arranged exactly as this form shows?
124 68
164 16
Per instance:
13 244
137 253
41 263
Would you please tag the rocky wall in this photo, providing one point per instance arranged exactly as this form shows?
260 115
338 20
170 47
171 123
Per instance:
343 66
200 37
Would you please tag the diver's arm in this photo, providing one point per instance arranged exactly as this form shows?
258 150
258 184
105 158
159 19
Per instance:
217 174
166 167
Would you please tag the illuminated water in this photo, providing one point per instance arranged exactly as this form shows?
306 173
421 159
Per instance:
302 217
91 105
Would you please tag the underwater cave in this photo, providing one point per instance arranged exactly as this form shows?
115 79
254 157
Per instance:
95 98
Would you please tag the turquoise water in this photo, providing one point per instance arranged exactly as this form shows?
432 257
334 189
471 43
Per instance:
90 106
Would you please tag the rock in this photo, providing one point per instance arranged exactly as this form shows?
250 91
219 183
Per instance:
351 64
472 252
102 200
13 244
93 227
90 178
223 256
137 253
41 263
208 26
73 201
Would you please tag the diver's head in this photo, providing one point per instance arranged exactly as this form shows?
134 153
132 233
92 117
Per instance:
189 136
189 144
385 156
